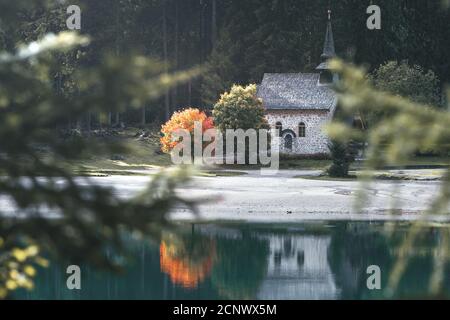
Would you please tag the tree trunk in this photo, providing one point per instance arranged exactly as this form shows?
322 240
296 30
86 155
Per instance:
79 124
143 120
214 23
117 49
189 93
166 95
88 124
175 88
202 31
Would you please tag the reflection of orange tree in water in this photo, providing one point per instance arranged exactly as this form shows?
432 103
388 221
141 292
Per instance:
236 267
187 260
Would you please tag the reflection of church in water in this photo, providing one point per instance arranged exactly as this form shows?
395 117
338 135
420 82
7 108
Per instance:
298 268
296 262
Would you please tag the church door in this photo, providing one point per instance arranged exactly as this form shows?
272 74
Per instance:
288 142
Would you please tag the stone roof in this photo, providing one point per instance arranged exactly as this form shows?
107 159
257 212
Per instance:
295 91
323 66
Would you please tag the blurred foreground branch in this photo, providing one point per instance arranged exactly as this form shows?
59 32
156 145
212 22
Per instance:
410 128
50 212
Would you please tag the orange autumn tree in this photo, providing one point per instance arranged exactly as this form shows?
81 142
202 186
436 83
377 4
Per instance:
184 119
184 267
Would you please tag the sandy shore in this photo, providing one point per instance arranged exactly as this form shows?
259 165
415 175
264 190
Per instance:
286 197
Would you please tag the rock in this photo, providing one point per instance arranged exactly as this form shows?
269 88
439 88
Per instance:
117 157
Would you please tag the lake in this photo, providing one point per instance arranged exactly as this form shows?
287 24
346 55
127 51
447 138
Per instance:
314 260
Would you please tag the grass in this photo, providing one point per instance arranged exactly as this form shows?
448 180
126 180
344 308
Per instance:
417 162
143 156
430 161
139 157
298 164
307 164
328 178
426 175
220 173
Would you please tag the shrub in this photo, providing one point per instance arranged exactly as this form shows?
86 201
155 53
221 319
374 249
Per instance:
413 82
183 120
342 157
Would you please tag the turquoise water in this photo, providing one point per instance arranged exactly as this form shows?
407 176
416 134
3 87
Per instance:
323 260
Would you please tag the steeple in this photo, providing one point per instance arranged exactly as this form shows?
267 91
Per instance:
326 76
328 46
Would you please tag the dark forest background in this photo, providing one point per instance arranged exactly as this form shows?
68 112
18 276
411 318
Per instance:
236 40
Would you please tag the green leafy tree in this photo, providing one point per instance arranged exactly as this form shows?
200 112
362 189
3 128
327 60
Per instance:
408 81
240 108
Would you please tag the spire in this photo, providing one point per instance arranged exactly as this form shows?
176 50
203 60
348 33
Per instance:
328 46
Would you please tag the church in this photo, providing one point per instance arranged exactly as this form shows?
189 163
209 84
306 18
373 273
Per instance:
298 105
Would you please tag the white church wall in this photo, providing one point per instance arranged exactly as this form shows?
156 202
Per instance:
315 142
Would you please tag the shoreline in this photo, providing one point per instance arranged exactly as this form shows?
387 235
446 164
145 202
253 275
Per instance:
178 217
284 198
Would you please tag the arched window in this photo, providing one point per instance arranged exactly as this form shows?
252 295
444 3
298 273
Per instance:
301 130
279 128
288 142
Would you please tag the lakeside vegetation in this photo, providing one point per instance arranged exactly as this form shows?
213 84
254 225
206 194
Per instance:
143 154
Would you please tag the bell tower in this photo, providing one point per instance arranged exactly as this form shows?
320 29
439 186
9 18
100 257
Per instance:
329 52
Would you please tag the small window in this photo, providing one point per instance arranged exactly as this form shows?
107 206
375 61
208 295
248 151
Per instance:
301 130
279 128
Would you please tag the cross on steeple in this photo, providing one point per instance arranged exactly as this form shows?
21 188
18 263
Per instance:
328 46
